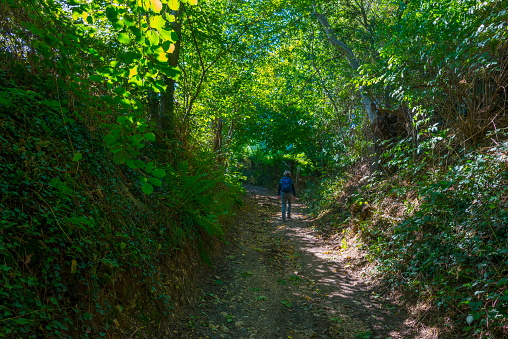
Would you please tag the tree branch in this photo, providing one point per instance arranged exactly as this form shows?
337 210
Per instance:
353 62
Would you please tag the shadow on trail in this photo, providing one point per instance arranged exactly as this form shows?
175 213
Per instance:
278 280
354 309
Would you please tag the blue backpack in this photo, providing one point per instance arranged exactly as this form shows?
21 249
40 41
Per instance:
286 184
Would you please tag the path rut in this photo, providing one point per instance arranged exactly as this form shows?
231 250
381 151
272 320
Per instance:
280 280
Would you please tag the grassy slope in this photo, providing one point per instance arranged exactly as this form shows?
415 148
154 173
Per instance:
83 250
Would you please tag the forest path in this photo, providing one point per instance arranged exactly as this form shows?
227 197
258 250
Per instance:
280 280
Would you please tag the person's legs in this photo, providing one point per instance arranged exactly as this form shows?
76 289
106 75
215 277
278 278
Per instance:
283 202
289 206
286 205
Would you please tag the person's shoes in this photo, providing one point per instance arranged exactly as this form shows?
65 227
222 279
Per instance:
283 219
289 217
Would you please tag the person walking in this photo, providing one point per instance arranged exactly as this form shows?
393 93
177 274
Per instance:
286 187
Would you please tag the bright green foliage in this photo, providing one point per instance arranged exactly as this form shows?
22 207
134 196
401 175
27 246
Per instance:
123 74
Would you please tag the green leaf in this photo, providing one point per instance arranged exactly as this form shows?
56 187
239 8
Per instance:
111 14
122 119
123 245
95 77
153 37
125 103
170 72
174 5
120 157
124 38
166 35
77 156
128 20
136 31
23 321
131 164
159 173
118 25
156 181
120 90
147 188
160 54
150 136
157 22
142 41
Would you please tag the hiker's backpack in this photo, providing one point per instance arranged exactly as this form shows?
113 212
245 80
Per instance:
286 184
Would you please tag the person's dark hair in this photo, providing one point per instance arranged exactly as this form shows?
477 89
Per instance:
287 174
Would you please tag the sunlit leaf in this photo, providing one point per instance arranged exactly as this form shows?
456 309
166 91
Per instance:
128 20
156 5
174 5
160 54
153 37
124 38
136 80
157 22
141 40
166 35
133 71
118 25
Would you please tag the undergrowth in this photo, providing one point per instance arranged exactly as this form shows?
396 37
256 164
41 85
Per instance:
435 227
83 251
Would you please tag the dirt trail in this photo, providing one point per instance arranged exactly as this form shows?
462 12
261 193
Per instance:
279 280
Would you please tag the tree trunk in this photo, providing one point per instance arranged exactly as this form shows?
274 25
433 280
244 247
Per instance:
153 107
167 107
367 101
298 170
353 62
217 140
